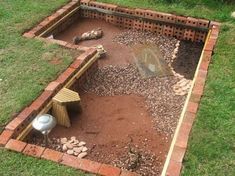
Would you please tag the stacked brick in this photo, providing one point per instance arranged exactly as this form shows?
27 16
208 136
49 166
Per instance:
166 24
180 142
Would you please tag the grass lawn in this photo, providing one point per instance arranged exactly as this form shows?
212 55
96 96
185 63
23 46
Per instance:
26 66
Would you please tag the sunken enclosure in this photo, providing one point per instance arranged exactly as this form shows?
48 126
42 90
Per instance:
123 98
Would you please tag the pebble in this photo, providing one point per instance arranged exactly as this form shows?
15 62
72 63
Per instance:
233 14
82 143
69 145
73 138
77 149
84 149
64 148
70 152
82 155
63 140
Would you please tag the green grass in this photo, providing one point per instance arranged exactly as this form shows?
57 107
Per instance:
25 69
19 165
211 149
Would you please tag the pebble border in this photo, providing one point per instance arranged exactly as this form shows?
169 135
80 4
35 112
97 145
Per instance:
178 147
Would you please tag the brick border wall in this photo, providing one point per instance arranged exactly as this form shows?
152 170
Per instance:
180 33
176 153
174 161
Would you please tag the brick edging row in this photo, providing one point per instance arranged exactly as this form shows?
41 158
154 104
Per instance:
65 159
179 145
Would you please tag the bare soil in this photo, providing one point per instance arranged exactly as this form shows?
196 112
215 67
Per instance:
117 54
119 128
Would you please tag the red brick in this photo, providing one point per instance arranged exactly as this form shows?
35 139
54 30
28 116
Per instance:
140 12
183 135
178 154
29 35
189 118
41 100
198 89
215 23
192 107
181 19
71 46
14 124
71 161
89 166
26 113
207 56
5 137
214 32
52 155
76 64
53 86
169 18
209 46
68 73
33 150
160 16
189 34
202 74
36 30
203 23
108 170
127 173
59 42
192 21
200 36
15 145
85 2
200 81
174 168
195 98
150 14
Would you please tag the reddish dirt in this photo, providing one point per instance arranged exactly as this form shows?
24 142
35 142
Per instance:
117 54
110 124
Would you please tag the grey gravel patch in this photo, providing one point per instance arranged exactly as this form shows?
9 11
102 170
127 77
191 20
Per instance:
161 101
166 44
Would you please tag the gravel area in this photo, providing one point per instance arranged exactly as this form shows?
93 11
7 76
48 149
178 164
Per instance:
160 98
165 44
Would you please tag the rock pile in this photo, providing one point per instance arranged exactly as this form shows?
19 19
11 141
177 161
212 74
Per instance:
74 147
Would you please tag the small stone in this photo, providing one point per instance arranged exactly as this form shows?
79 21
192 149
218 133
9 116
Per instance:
73 138
64 148
63 140
70 152
82 155
81 144
77 149
69 145
84 149
75 153
233 14
75 142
